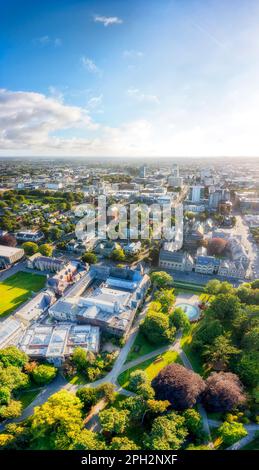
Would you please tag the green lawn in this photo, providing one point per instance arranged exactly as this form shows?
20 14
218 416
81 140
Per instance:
193 357
140 347
185 286
16 289
78 379
27 396
151 367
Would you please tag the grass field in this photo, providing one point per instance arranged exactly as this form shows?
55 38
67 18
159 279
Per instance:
193 357
140 347
151 367
16 289
27 396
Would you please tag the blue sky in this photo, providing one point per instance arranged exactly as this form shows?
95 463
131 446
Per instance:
137 78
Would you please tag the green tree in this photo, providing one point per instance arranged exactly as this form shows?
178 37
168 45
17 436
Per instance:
58 420
30 248
137 377
123 443
213 287
156 328
231 432
12 410
248 368
219 353
250 341
179 319
5 395
161 279
118 254
206 332
12 378
167 432
89 258
193 421
46 249
13 356
114 421
44 373
225 307
79 358
166 298
88 397
88 440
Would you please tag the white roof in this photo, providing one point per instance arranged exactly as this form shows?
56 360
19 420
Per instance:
9 250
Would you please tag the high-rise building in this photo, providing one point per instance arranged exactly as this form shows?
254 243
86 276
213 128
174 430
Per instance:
196 193
175 170
143 171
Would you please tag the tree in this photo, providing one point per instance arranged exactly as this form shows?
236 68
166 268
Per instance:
87 396
213 287
167 432
250 341
137 377
46 249
5 395
79 358
12 377
248 368
44 374
13 356
225 307
156 328
89 258
223 392
137 407
231 432
180 386
123 443
12 410
118 254
30 248
179 319
114 421
219 353
166 299
59 419
8 240
146 391
161 279
106 391
193 421
206 332
157 406
216 246
88 440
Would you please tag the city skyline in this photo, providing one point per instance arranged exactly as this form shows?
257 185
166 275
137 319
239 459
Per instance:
95 78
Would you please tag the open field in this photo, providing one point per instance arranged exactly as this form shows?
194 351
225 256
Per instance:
16 289
140 347
151 367
193 357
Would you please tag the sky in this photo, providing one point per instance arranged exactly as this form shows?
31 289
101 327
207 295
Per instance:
129 78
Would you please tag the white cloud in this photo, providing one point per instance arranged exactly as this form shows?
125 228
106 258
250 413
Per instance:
107 20
48 41
90 65
132 54
95 103
29 120
136 94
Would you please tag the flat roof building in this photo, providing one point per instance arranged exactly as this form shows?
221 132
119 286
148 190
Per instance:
9 255
55 343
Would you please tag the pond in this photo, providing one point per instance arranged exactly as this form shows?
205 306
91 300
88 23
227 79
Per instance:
191 311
